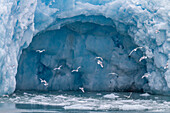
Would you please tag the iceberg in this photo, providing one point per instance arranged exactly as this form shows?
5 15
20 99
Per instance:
48 39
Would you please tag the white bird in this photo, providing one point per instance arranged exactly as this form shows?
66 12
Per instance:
100 63
40 51
76 70
135 50
128 96
144 57
157 31
146 75
5 95
82 89
113 74
99 58
43 81
58 68
166 66
50 3
46 84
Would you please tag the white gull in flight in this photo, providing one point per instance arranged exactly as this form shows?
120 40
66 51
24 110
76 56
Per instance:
100 63
40 51
134 50
82 89
144 57
129 95
43 81
146 75
166 66
99 58
58 68
76 70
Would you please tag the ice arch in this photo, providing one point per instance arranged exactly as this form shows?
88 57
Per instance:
78 44
146 22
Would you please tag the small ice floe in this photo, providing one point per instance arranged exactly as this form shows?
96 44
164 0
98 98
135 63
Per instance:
111 96
78 107
129 107
98 94
156 97
25 93
13 94
145 94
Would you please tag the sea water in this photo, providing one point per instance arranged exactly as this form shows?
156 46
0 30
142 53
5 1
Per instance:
79 102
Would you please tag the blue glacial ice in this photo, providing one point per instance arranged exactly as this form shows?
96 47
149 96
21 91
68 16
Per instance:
73 33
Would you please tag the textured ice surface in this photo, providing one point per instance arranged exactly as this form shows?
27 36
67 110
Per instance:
84 102
73 33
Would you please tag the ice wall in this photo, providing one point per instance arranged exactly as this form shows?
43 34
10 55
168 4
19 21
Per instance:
145 22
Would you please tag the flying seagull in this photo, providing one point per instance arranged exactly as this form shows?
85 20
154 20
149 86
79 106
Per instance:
99 58
146 75
58 68
157 31
40 51
166 66
5 95
135 50
43 81
113 74
144 57
82 89
128 96
100 63
76 70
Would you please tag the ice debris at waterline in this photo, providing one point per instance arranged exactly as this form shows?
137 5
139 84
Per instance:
38 36
83 102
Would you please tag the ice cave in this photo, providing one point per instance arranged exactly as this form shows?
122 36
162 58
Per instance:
85 43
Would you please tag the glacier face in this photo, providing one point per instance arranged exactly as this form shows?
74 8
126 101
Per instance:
73 33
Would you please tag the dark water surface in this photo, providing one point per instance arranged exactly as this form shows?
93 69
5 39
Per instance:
88 102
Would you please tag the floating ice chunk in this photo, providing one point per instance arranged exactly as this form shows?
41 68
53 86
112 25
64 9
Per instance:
145 94
134 107
111 96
